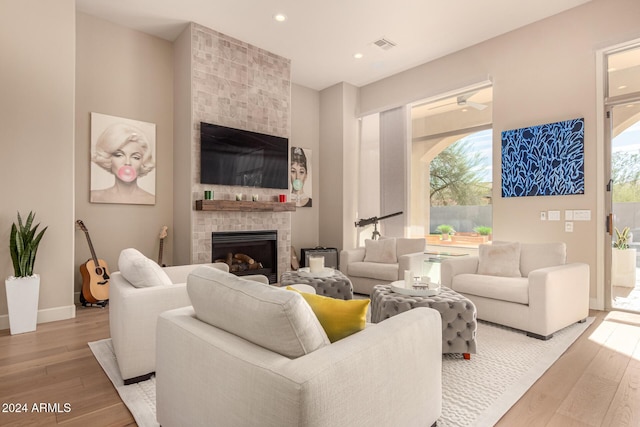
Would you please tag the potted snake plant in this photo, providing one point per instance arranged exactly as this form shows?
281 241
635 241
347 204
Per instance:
623 260
23 287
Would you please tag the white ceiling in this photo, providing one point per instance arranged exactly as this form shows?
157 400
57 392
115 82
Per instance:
320 37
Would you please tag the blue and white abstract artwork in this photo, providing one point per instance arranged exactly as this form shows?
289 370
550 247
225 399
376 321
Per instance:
544 160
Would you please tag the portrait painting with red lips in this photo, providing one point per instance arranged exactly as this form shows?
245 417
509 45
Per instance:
122 160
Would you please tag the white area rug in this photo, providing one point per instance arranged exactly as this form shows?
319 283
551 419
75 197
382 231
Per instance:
476 392
140 398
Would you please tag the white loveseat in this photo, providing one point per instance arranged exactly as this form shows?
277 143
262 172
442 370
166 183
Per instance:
248 354
139 292
382 261
526 286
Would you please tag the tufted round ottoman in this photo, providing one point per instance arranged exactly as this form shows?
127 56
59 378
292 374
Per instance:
337 286
459 322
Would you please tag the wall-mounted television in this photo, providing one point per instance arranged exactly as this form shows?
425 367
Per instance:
544 160
231 156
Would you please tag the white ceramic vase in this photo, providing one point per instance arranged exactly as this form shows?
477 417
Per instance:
22 302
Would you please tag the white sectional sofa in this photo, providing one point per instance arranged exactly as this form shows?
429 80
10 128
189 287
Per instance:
527 286
382 261
248 354
139 292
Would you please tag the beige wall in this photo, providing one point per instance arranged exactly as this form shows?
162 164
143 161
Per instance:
123 73
542 73
305 133
37 80
339 156
183 135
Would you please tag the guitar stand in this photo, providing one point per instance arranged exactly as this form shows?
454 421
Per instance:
85 303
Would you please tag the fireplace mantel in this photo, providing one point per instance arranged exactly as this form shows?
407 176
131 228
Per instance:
244 206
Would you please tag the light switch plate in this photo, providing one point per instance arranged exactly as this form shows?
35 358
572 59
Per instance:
554 215
568 215
582 215
543 215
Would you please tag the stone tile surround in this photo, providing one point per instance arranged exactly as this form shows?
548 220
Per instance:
237 85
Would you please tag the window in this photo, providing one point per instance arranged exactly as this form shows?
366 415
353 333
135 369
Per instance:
451 170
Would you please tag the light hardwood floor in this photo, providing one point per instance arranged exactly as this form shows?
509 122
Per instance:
55 365
595 383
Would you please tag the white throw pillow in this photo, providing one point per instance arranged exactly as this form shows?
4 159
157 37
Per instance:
382 251
140 271
499 260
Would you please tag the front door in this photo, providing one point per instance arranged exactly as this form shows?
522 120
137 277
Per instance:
623 189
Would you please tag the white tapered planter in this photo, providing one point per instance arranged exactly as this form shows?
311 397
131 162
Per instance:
623 267
22 301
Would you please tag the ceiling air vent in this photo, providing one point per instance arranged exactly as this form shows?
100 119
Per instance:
384 44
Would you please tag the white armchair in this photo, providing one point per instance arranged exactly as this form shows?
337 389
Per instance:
134 310
382 261
526 286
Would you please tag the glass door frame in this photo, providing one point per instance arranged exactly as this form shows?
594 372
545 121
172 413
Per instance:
604 215
617 104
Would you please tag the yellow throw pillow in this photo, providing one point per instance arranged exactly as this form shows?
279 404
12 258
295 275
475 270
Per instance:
339 318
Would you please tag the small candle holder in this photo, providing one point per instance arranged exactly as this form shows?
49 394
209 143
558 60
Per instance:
419 284
254 197
238 197
316 264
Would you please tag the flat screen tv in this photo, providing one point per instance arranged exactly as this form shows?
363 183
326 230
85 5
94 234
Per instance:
544 160
231 156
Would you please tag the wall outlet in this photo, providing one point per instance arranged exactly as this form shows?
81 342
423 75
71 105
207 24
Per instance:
568 227
543 216
554 215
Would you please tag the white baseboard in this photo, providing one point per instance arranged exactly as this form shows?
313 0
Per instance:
46 315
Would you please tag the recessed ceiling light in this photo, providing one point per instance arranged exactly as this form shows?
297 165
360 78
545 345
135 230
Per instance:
358 55
280 17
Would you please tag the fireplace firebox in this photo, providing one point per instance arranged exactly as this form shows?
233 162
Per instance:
247 252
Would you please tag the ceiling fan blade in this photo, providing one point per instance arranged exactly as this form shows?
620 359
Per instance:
476 105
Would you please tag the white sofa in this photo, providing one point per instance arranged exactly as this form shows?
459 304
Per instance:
247 354
526 286
382 261
134 309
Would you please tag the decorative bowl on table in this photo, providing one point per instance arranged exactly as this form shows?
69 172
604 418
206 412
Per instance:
418 289
325 272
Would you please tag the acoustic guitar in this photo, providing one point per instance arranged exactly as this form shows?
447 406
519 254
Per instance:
163 235
95 276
